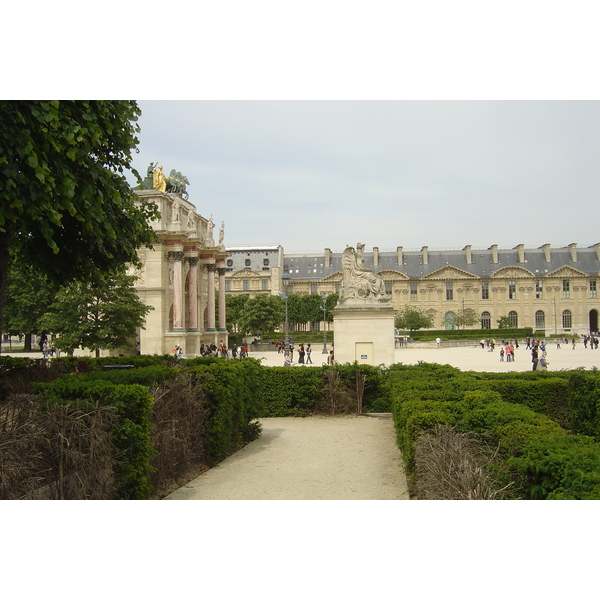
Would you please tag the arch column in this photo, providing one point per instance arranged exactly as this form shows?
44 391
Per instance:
193 293
210 301
222 310
177 258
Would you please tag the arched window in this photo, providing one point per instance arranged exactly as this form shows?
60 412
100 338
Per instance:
449 320
540 320
513 317
567 319
486 320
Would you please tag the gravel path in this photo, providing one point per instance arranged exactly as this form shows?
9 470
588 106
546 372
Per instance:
312 458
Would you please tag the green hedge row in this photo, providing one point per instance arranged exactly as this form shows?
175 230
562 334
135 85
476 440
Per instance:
524 414
471 334
299 392
131 433
538 455
231 389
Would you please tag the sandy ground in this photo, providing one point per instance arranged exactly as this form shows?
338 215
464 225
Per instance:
469 358
312 458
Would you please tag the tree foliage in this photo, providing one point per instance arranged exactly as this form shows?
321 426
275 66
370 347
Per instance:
103 313
466 318
504 323
29 293
413 318
65 205
261 314
234 306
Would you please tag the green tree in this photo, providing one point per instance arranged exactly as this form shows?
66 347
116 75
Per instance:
413 318
234 306
503 323
466 318
29 293
261 314
102 313
65 205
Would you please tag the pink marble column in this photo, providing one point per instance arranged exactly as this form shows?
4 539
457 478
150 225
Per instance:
193 294
210 301
222 309
177 289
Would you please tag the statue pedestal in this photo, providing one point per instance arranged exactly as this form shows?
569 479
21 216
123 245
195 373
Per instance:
364 332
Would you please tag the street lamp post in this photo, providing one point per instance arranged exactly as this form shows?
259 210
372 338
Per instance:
286 332
324 309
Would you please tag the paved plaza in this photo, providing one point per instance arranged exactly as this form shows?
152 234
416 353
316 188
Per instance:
466 358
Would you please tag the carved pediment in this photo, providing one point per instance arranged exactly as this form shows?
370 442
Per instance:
391 275
567 272
513 273
243 274
334 277
450 273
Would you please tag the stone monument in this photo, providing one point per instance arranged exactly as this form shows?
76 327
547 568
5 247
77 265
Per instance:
363 320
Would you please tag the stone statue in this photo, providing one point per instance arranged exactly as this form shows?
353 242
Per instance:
358 281
221 234
191 224
175 211
211 226
159 181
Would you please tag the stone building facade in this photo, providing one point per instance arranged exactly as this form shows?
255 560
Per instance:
554 290
253 270
180 277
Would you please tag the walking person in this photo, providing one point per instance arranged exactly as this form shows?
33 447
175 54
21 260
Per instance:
301 354
534 358
308 352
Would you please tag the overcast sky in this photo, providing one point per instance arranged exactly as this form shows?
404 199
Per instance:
316 174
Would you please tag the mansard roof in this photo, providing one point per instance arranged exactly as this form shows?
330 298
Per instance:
428 263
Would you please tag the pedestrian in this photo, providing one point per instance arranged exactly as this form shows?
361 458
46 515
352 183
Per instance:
438 341
501 354
330 358
308 352
301 354
234 350
534 357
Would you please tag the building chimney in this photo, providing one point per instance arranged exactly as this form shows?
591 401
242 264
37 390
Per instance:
494 249
573 251
375 256
327 258
546 249
597 247
424 250
401 258
520 253
467 250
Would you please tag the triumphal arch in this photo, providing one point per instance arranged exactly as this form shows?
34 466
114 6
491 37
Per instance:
180 276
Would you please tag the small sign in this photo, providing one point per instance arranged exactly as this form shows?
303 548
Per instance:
363 357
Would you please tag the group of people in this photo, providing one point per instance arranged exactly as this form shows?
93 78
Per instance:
507 348
590 340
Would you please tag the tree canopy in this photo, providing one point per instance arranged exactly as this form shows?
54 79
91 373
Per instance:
102 313
65 204
261 314
413 318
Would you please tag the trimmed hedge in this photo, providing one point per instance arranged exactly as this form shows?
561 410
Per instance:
543 460
131 432
234 395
